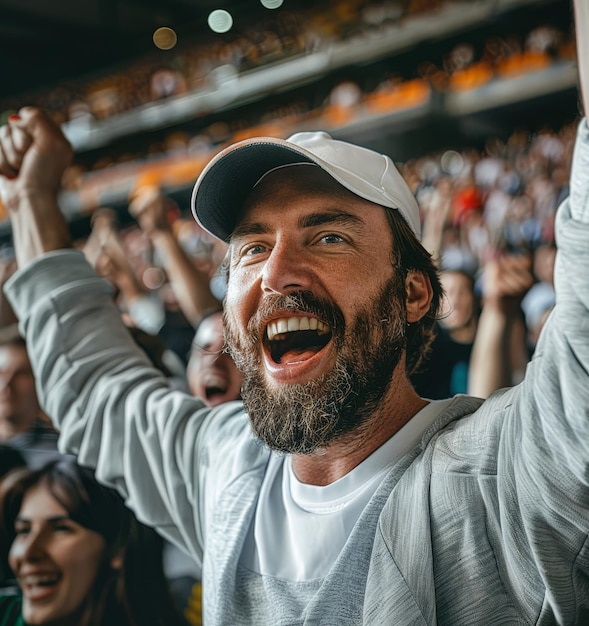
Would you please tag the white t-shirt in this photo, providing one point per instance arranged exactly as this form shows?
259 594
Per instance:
299 530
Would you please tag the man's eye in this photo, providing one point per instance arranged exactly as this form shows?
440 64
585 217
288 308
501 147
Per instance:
331 238
21 530
254 249
206 350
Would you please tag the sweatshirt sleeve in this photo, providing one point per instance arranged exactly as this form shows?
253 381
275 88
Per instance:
548 423
557 384
165 452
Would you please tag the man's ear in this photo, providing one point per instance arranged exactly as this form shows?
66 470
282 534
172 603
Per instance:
419 295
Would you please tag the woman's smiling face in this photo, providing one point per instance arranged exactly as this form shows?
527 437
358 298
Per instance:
55 559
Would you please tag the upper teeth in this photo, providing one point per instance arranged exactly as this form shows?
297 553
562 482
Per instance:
38 580
291 324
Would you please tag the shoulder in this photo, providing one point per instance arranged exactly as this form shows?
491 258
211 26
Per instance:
467 434
230 439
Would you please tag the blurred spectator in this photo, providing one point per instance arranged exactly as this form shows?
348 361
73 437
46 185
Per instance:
342 103
104 250
446 371
166 82
78 554
151 208
455 254
142 307
212 374
540 298
499 354
522 231
23 426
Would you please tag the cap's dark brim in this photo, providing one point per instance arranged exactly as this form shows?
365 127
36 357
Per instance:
220 193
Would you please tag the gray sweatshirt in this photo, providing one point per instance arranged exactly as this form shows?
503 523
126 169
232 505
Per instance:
485 522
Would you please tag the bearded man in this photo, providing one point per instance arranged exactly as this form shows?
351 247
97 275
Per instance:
334 494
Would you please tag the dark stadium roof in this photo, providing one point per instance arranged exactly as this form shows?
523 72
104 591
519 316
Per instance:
45 41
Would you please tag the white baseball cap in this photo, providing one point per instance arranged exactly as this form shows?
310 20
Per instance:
219 192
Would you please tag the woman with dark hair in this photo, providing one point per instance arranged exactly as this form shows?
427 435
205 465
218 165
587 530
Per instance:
80 557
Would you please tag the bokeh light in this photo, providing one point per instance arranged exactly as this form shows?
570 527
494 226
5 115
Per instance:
452 162
165 38
271 4
220 21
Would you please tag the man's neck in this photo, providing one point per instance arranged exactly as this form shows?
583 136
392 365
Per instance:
342 456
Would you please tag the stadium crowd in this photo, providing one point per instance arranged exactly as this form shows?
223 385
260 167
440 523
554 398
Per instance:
488 218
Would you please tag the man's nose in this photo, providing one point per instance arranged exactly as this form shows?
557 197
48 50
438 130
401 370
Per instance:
286 269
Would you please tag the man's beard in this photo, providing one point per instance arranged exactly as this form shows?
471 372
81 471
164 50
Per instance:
302 418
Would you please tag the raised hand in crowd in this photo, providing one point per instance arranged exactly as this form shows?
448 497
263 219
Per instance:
499 352
151 208
105 250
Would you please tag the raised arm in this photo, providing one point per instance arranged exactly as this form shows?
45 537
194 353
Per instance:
505 281
111 407
33 156
190 285
581 8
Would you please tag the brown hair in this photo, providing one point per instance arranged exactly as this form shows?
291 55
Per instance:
409 255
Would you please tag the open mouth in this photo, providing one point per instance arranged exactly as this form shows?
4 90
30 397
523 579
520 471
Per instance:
39 587
215 386
212 392
296 339
44 580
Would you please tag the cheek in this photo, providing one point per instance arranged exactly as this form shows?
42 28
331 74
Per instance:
243 285
239 307
81 565
236 377
235 294
464 304
26 388
193 385
14 554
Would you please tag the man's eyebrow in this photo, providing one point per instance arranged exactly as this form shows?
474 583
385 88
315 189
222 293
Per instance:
330 217
249 228
306 221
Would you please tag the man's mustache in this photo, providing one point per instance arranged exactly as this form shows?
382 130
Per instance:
302 301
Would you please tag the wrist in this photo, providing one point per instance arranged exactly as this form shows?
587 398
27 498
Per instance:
163 238
38 225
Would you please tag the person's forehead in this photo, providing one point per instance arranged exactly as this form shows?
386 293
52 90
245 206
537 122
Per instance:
210 329
38 500
303 189
455 279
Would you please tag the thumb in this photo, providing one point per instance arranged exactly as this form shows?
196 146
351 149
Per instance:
44 150
14 142
36 123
